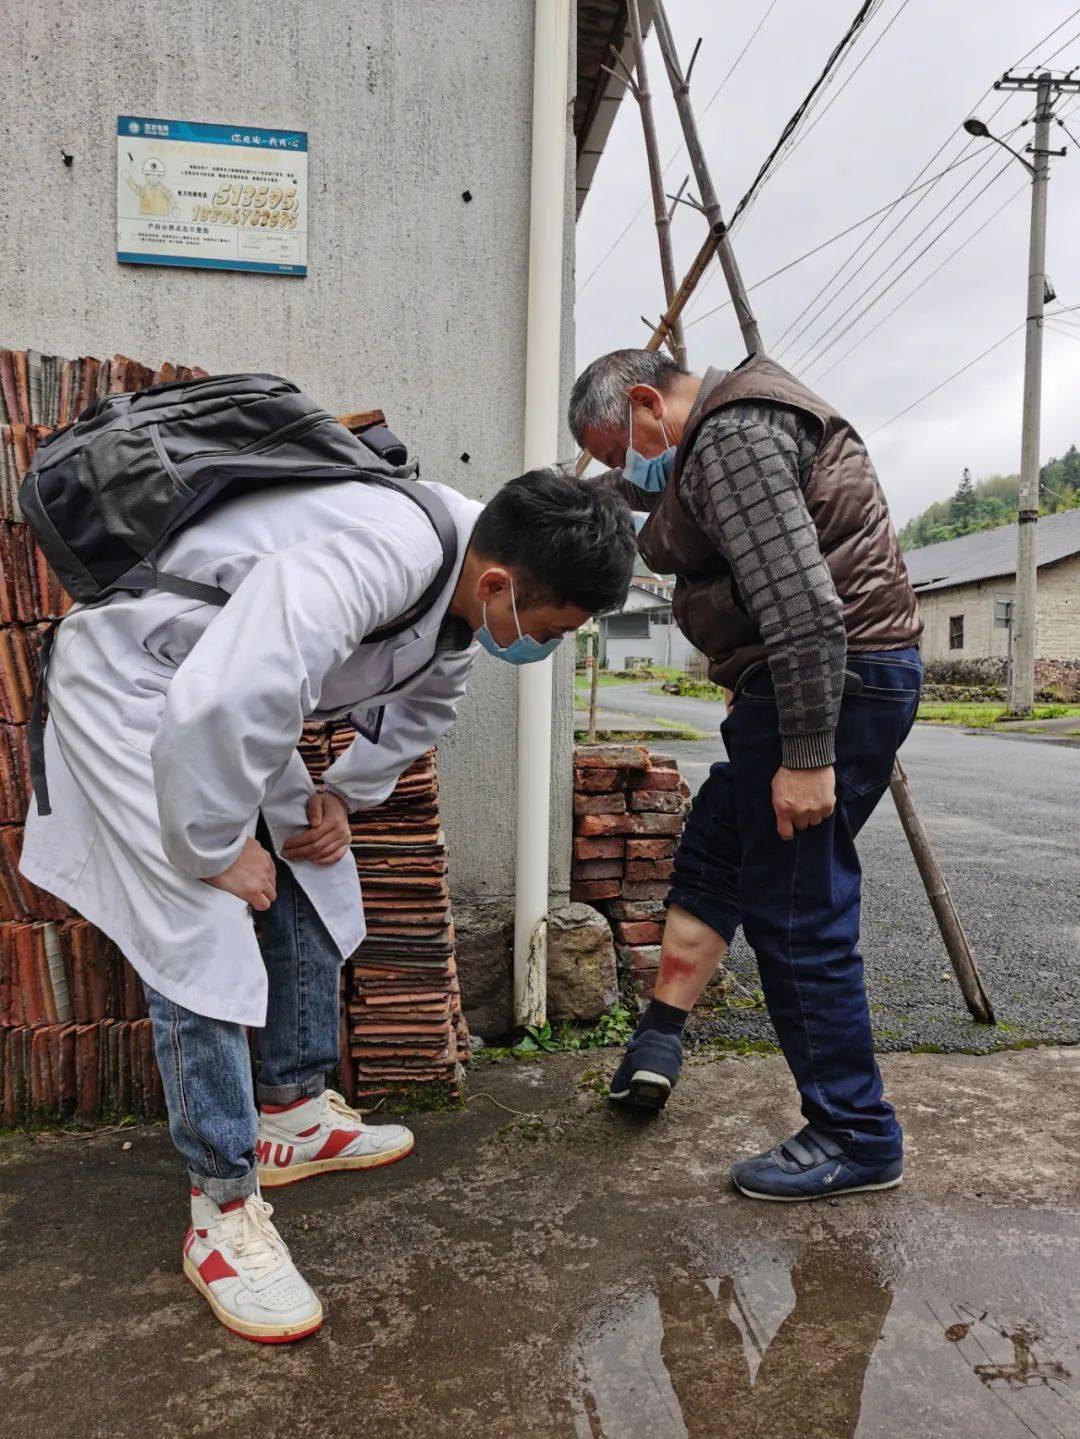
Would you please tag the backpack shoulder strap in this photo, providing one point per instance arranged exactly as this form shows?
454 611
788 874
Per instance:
441 521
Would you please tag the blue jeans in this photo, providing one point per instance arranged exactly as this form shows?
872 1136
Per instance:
798 900
206 1063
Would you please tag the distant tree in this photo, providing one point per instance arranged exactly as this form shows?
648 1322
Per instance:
1059 482
985 504
964 510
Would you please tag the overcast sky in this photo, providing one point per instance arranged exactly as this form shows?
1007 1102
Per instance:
909 98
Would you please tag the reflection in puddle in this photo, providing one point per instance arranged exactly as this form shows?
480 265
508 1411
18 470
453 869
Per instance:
819 1351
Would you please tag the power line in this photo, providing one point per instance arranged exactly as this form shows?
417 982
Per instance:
824 336
818 118
1060 330
839 51
821 102
948 380
814 311
797 141
621 236
1071 40
867 238
951 256
1040 43
883 209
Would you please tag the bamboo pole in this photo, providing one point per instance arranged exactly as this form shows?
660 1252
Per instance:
941 901
661 214
680 89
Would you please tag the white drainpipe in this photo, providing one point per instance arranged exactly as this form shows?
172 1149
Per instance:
542 373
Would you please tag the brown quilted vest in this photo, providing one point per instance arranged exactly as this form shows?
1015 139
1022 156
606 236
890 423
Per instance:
845 502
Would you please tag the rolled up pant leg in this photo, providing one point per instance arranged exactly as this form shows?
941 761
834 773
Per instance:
205 1069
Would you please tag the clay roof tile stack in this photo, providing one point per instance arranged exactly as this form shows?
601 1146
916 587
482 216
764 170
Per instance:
403 1023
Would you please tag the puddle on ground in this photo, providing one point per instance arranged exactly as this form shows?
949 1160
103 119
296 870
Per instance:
821 1351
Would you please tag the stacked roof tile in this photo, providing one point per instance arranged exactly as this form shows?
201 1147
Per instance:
403 1023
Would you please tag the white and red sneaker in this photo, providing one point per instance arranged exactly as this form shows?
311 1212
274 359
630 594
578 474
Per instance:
239 1262
317 1136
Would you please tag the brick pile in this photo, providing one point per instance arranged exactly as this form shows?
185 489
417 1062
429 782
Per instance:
629 811
74 1036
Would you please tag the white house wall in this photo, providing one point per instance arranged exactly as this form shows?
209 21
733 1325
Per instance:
415 301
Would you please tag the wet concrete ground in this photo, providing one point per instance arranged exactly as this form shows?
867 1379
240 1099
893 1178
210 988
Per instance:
569 1273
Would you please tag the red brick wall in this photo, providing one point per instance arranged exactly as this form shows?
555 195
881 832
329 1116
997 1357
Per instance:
629 811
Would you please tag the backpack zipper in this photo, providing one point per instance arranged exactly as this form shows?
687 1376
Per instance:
286 431
306 422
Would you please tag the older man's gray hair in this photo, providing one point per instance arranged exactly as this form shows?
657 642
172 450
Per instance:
598 400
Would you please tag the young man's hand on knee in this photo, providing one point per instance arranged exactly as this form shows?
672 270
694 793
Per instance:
251 878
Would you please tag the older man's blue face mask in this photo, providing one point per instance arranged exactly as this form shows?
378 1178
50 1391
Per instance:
649 475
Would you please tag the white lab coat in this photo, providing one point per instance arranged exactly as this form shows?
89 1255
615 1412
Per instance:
173 724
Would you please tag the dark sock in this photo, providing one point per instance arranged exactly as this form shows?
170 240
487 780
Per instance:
665 1018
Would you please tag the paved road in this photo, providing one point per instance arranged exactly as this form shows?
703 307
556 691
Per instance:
1002 813
638 699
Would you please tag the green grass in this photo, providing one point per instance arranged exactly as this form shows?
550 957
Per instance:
692 689
603 681
656 674
983 715
656 730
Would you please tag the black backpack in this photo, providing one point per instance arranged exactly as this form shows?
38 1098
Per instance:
105 495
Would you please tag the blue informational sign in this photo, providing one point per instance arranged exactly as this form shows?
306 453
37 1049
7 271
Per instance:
214 197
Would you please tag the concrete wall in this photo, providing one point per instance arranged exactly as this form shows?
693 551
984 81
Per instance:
1057 635
415 301
656 648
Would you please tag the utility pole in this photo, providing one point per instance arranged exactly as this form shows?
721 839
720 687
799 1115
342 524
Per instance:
1022 693
1025 608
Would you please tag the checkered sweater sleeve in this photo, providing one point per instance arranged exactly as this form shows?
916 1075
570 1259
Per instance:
743 485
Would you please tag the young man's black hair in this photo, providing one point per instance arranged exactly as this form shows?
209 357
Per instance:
575 542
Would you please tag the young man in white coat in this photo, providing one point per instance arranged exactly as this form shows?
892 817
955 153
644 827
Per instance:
172 737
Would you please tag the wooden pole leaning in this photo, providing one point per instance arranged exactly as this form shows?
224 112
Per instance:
941 900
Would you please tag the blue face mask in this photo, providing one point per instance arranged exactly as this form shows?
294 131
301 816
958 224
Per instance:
649 475
522 651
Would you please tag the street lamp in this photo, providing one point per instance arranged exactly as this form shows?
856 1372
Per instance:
978 128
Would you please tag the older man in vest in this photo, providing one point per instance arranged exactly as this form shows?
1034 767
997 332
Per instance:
764 504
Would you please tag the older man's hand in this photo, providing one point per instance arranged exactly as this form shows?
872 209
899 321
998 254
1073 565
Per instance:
802 797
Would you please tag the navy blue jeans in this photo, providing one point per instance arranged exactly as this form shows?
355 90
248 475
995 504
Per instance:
798 900
206 1063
